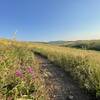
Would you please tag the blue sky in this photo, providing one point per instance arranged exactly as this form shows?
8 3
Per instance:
47 20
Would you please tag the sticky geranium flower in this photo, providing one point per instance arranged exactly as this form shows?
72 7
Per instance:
19 73
30 70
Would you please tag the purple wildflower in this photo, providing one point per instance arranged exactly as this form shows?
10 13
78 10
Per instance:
19 73
30 70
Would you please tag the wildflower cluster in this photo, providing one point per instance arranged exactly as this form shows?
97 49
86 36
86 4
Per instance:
18 78
19 73
27 71
23 83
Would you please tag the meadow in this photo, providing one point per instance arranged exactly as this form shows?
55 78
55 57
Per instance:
20 74
82 65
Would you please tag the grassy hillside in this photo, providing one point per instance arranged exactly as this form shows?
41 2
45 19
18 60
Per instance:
83 44
18 65
19 72
83 66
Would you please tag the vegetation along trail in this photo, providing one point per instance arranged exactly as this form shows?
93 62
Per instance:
58 84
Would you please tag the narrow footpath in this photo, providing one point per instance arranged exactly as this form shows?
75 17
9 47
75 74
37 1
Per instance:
59 85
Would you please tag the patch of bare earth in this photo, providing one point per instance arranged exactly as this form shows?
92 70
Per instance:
58 84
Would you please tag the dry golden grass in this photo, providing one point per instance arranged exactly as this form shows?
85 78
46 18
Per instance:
14 57
83 65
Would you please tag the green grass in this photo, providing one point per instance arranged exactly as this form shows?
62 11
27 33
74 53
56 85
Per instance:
82 44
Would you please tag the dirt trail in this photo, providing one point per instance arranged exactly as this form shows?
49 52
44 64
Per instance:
59 85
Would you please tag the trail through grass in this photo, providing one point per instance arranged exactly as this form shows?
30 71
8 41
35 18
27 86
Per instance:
58 84
83 65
